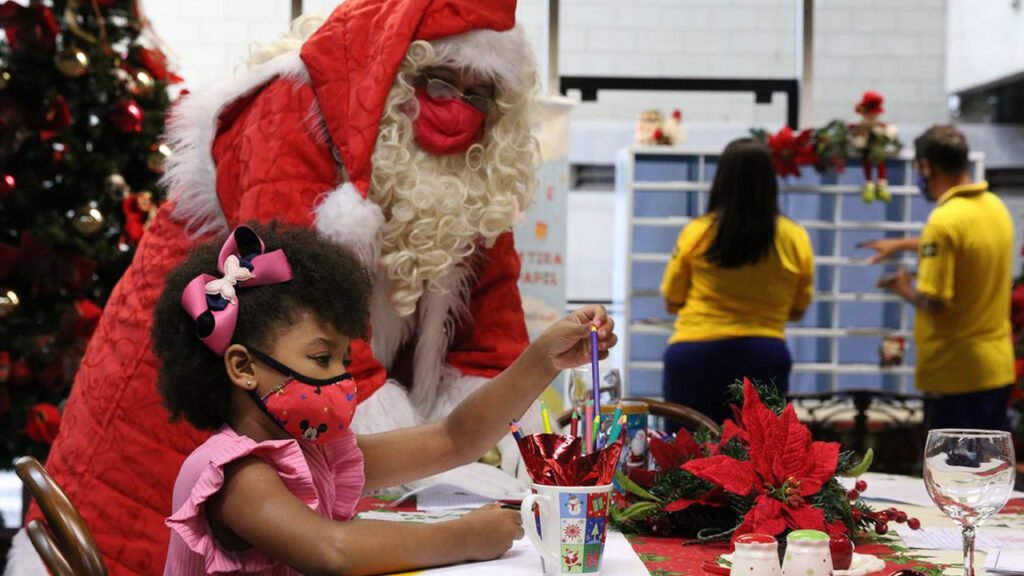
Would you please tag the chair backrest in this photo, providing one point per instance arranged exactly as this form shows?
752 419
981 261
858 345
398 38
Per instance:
63 541
688 417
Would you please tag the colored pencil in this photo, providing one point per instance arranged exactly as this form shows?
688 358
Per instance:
574 430
516 433
617 429
595 370
588 414
613 434
597 429
545 417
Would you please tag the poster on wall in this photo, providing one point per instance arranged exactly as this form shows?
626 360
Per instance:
540 231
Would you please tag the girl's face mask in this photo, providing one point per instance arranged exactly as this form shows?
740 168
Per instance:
309 409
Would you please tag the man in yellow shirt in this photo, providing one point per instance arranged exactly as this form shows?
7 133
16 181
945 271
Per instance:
965 359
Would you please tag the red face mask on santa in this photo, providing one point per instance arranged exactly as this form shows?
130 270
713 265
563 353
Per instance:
448 126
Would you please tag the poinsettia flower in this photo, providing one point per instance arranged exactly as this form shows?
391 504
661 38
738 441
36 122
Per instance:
790 151
672 455
785 469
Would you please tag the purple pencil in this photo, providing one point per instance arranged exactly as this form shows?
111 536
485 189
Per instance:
595 371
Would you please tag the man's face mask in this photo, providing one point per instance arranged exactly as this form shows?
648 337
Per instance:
447 125
922 184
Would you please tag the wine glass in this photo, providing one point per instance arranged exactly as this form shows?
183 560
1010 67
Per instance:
969 475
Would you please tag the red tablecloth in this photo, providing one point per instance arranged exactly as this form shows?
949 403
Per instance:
670 557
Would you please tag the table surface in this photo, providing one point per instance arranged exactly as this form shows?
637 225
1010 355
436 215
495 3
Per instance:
674 557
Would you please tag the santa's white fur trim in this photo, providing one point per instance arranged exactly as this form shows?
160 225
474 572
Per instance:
503 56
386 409
390 330
191 177
347 217
22 558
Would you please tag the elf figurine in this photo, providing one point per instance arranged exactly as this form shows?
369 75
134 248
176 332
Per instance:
875 141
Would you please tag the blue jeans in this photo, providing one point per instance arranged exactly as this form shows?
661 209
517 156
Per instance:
698 374
980 410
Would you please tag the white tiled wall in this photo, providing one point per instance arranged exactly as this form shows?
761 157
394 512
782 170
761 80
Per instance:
894 46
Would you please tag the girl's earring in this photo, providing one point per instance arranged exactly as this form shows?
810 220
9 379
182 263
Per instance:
251 384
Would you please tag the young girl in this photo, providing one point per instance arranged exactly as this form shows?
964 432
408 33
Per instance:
252 334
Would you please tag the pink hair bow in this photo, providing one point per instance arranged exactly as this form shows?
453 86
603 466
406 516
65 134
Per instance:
213 302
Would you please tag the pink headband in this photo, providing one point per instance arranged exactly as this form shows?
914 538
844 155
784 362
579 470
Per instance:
213 302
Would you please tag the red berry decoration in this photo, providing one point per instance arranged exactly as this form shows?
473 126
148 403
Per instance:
852 495
901 517
861 486
881 527
914 524
856 514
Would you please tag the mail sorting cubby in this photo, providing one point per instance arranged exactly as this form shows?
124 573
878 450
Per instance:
835 346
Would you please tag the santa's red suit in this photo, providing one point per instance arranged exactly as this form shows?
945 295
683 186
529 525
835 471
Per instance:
291 140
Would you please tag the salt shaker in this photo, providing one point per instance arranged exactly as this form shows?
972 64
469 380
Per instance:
807 554
756 555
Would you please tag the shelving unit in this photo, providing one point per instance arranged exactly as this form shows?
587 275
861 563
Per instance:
835 347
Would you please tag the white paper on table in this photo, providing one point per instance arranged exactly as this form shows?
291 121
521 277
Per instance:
902 489
952 539
1005 561
426 517
524 560
445 496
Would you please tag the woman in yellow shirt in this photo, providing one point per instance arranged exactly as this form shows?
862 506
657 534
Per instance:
737 275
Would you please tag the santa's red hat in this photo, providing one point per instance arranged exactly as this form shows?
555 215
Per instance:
355 55
870 103
350 62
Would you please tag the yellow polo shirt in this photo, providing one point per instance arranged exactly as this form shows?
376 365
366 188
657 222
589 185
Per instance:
754 300
965 256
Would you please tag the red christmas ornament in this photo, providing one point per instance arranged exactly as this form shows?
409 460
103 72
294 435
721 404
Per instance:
56 119
5 366
28 27
7 184
127 116
43 423
155 62
21 373
88 317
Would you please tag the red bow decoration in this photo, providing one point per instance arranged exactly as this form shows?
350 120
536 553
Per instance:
790 151
556 460
43 423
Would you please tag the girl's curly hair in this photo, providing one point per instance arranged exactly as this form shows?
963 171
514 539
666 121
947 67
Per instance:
328 281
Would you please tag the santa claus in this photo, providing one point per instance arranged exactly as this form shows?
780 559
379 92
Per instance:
400 129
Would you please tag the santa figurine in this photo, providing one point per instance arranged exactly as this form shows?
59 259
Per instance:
892 351
401 130
875 141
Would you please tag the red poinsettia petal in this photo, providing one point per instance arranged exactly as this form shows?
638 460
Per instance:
790 447
837 527
732 475
824 457
804 518
681 504
662 453
766 516
760 424
730 430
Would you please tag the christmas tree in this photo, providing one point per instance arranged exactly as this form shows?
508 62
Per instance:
83 95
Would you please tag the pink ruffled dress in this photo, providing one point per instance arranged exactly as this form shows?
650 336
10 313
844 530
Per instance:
328 479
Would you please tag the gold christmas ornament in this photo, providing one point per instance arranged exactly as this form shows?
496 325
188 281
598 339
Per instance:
143 83
115 186
9 302
157 159
5 79
88 220
72 62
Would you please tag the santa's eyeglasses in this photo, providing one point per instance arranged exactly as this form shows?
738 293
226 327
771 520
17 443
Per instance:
441 90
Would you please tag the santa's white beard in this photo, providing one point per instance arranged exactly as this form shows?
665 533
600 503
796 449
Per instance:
437 209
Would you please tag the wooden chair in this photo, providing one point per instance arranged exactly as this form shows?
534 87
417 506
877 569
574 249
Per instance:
688 417
63 541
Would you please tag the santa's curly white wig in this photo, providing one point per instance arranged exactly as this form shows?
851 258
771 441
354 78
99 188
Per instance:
438 209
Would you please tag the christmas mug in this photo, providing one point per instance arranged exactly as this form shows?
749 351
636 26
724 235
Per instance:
568 527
